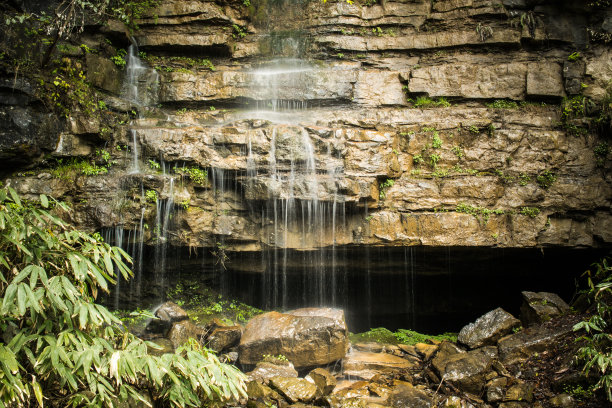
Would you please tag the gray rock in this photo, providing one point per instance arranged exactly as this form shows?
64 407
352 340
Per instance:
171 312
520 346
487 329
466 371
539 307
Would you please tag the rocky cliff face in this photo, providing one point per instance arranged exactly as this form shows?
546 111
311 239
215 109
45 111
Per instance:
437 123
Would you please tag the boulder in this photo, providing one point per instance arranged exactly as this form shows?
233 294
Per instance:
487 329
295 389
223 338
167 314
265 370
456 402
520 346
366 365
323 379
539 307
466 371
305 337
426 350
183 330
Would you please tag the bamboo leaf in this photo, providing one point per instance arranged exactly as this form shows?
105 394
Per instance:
38 392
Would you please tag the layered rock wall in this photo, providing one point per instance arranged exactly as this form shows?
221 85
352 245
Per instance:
407 123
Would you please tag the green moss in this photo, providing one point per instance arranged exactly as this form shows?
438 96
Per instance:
401 336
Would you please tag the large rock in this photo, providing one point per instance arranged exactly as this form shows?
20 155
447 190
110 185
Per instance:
224 337
520 346
184 330
488 328
167 314
307 337
466 371
539 307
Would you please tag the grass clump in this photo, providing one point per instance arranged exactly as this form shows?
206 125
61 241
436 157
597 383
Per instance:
502 104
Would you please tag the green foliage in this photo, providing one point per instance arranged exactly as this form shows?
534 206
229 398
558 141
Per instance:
67 171
436 142
474 129
151 196
502 104
383 188
119 58
524 179
401 336
377 31
58 345
104 155
601 153
546 179
239 32
434 159
278 359
180 64
154 165
596 352
195 174
426 102
457 151
480 213
202 304
574 56
530 212
417 159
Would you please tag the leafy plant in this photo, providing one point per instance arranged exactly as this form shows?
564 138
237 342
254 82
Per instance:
383 188
480 213
596 354
239 32
530 212
524 179
58 345
546 179
426 102
436 142
195 174
151 196
457 151
417 159
119 58
434 159
601 153
574 56
502 104
154 165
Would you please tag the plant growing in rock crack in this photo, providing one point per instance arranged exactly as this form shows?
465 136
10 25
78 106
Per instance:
601 152
530 212
546 179
596 352
151 196
383 188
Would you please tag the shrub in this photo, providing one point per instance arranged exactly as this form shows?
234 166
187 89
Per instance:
596 354
58 345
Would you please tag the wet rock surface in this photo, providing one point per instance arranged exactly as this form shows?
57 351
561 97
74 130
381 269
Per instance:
487 329
305 341
541 306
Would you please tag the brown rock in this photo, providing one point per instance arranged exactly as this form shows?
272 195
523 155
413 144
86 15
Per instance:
264 371
323 379
294 389
183 330
488 328
540 307
426 350
305 340
223 338
366 365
